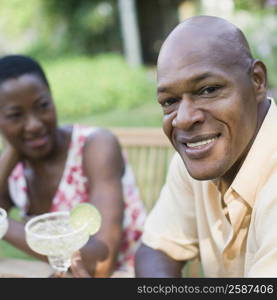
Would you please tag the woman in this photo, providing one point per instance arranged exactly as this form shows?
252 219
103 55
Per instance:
45 167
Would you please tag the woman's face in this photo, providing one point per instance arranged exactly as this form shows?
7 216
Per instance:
27 116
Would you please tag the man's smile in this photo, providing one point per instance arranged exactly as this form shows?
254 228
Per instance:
199 146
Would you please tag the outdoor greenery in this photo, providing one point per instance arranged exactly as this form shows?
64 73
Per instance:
89 26
259 23
83 86
53 27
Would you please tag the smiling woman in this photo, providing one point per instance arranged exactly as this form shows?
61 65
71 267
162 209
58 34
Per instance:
28 112
45 168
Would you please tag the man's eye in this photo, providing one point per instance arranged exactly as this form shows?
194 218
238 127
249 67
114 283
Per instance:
209 90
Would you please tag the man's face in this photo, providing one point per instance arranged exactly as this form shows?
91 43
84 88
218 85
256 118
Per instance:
210 110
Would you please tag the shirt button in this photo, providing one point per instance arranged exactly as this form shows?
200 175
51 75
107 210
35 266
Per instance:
230 255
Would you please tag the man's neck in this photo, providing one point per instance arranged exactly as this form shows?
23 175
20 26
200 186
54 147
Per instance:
227 179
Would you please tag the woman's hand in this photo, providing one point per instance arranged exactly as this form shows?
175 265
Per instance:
9 152
77 266
8 160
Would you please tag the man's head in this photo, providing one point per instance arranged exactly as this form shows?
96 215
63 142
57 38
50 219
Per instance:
211 91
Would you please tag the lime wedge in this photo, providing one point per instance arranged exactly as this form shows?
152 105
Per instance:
83 213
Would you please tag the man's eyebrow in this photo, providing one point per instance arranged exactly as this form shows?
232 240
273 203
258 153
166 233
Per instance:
193 80
201 77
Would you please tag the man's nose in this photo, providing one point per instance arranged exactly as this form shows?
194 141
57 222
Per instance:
33 124
188 114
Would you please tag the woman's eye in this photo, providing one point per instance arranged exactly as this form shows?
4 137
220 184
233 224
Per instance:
13 116
44 104
169 102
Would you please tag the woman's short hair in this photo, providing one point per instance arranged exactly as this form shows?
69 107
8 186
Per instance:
13 66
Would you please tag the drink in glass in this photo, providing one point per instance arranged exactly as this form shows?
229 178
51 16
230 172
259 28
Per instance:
51 234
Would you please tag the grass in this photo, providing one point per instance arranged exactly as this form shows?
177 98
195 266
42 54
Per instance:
145 115
84 86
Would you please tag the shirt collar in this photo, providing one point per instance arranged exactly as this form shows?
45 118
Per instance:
257 165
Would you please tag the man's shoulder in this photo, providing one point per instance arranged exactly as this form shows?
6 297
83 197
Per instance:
268 189
271 180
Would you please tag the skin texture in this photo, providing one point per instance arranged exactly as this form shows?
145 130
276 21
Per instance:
28 123
159 264
210 89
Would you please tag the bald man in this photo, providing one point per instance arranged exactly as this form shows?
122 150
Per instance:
219 202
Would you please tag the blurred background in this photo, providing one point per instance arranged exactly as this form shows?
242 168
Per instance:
100 55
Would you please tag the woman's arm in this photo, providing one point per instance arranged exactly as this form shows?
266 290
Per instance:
15 234
104 167
8 160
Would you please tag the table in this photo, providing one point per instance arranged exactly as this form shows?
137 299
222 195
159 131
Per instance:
20 268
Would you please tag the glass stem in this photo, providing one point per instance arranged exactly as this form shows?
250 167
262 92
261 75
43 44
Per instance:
59 263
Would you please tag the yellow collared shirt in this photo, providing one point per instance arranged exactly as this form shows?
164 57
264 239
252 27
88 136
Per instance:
239 240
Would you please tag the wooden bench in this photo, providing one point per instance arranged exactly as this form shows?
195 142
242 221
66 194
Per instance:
149 152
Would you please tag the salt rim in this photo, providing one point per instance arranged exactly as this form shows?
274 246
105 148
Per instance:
54 214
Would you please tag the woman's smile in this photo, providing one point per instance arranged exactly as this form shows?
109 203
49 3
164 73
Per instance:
37 142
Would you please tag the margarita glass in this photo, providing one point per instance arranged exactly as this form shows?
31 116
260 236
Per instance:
52 235
3 222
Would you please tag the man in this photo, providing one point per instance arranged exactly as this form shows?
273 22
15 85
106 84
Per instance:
219 202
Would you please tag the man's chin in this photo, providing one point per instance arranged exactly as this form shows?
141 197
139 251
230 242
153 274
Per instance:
203 177
202 173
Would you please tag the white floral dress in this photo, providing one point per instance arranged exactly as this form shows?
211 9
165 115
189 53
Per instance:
73 189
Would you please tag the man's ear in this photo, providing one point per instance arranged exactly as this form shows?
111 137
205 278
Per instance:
259 79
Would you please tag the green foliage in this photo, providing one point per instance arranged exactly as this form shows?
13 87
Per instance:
25 28
146 115
261 32
249 5
15 25
53 27
82 86
89 26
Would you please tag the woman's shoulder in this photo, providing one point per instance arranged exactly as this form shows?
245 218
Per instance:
92 132
94 140
101 135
